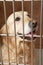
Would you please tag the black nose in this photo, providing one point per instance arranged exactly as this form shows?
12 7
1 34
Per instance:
33 24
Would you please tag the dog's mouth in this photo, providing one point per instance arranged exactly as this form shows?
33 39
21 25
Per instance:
27 37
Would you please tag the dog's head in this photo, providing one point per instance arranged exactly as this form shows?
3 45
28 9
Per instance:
19 25
29 25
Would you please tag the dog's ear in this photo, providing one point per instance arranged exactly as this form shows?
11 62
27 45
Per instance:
3 30
28 15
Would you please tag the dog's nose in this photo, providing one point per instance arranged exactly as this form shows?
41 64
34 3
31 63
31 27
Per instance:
33 24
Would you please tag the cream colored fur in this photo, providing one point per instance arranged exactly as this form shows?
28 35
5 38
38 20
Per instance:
11 40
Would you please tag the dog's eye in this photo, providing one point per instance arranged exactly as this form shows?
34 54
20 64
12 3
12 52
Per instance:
17 19
28 15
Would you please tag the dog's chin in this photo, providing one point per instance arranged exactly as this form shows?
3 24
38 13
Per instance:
28 37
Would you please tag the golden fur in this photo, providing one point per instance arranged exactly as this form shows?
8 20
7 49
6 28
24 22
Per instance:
11 42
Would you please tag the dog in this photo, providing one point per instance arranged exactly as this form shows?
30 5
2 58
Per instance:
13 46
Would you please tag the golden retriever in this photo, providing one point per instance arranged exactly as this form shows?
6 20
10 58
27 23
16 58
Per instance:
10 49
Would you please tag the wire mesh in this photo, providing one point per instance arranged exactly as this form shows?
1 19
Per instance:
39 36
32 33
15 29
4 4
40 62
23 29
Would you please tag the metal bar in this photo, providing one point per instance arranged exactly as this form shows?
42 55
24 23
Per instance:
32 34
40 54
1 57
12 63
23 29
14 28
8 63
22 35
4 3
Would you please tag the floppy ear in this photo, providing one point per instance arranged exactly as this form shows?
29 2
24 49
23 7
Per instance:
11 39
3 30
2 37
28 15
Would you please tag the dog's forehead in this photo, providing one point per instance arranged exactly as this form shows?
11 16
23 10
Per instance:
20 13
26 15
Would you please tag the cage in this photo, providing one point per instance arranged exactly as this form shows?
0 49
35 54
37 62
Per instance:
35 10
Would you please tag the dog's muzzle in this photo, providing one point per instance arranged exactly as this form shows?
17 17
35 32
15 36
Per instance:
27 37
33 32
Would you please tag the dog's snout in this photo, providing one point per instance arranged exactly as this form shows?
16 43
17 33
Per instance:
33 24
